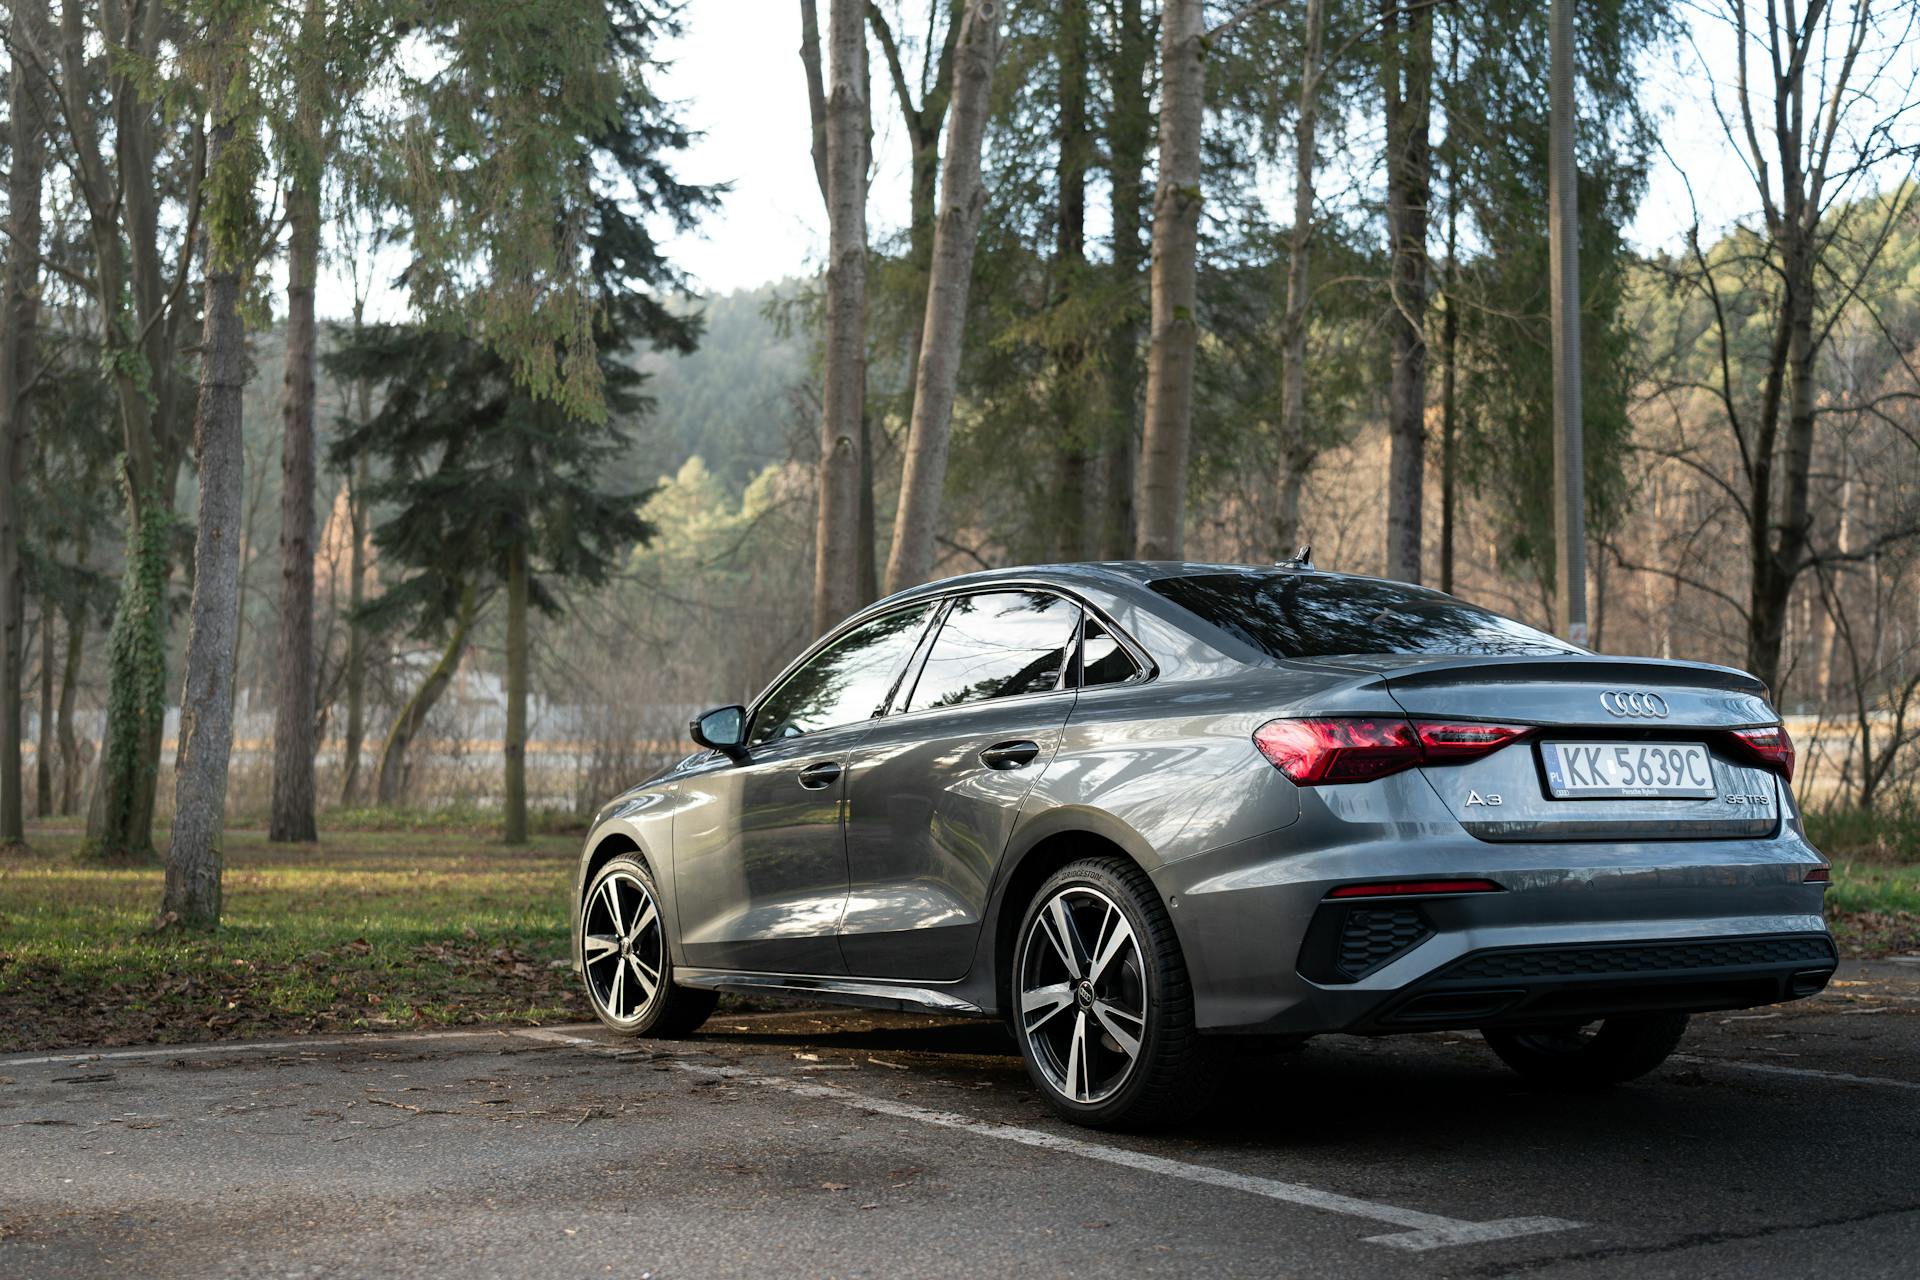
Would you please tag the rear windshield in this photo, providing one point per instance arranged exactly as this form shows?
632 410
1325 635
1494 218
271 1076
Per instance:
1292 615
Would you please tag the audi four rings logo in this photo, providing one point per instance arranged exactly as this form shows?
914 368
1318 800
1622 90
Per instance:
1623 702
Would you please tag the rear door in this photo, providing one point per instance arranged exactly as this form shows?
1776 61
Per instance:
934 789
1619 749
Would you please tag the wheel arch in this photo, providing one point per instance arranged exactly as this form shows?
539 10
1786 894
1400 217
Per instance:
603 846
1066 836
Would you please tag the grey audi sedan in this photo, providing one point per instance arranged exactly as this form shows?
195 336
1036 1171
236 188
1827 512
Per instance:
1141 811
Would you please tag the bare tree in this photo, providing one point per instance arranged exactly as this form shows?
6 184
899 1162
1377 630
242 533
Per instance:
20 307
1173 285
1827 117
963 197
836 570
923 121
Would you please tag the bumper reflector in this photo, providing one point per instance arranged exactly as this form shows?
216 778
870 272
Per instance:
1414 888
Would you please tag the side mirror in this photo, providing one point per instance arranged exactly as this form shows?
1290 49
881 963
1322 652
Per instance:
723 729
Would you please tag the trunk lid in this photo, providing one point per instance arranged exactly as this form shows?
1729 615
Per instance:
1610 703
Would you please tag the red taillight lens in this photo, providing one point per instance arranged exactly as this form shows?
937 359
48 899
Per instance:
1770 748
1359 749
1312 752
1422 888
1446 742
1817 875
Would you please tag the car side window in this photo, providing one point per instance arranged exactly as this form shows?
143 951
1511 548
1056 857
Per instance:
843 683
1103 659
997 644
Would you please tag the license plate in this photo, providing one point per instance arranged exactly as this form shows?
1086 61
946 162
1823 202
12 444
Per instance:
1595 770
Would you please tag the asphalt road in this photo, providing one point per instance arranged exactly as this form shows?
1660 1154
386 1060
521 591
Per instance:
1786 1142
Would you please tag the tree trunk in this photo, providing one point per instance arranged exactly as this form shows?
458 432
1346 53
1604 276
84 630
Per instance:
963 199
515 745
1073 530
192 895
407 725
43 757
1129 132
71 767
356 727
20 312
293 725
146 321
120 822
1407 73
1296 455
923 126
1174 331
836 569
1450 337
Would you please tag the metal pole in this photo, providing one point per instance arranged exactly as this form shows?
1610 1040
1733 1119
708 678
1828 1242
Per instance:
1563 230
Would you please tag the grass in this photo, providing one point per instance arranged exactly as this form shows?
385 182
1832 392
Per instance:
368 929
401 919
1874 904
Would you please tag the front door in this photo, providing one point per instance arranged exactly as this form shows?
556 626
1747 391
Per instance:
934 789
760 846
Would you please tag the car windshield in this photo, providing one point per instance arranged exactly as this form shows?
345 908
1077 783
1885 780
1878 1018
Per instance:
1297 615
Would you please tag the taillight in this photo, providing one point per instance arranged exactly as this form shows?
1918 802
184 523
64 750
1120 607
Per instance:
1312 752
1361 748
1770 748
1447 742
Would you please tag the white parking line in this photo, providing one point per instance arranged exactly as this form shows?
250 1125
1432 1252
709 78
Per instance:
1422 1231
1767 1068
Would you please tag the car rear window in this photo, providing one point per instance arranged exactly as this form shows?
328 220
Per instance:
1297 615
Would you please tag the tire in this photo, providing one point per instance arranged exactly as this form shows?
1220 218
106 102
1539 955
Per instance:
1618 1050
1097 994
623 946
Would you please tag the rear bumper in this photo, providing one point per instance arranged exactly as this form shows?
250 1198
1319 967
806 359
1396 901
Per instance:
1533 986
1579 930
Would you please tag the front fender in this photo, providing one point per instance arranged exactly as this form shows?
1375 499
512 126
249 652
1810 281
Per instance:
641 820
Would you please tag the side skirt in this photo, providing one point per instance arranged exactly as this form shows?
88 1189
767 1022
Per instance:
869 993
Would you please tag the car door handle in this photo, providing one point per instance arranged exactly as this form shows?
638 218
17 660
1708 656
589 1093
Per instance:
1009 755
819 775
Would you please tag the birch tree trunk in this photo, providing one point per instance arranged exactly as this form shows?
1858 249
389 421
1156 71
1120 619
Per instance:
194 856
1407 75
963 199
836 567
292 817
1296 457
514 748
20 312
1173 328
